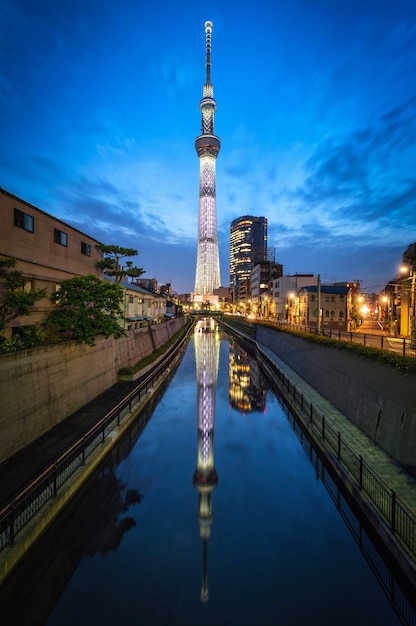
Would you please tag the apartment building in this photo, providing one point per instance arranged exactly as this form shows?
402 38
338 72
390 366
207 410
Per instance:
46 249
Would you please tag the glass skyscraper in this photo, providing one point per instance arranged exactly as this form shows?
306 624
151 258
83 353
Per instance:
248 247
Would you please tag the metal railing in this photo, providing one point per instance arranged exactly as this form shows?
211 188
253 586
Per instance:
402 600
23 508
404 346
396 515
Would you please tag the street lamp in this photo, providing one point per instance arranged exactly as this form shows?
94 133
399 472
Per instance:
386 302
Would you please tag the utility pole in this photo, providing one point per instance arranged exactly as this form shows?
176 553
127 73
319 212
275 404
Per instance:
318 325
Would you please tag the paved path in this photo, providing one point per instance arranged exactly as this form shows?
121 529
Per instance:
24 466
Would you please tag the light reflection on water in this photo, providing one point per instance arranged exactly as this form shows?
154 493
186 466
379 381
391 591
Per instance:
210 513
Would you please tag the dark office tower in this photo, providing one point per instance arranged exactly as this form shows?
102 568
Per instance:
207 146
248 247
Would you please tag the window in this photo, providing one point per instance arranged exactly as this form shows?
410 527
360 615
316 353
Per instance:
85 248
60 237
23 220
332 298
341 315
326 298
312 298
332 316
131 299
28 286
326 313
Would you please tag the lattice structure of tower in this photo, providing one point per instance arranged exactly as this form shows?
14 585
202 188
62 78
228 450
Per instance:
207 146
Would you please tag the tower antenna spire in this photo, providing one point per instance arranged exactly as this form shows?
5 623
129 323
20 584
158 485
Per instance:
208 31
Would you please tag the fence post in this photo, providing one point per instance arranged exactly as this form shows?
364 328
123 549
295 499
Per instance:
11 525
83 451
393 511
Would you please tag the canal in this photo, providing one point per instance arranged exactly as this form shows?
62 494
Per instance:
213 510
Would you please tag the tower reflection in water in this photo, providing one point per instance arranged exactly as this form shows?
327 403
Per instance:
247 393
207 350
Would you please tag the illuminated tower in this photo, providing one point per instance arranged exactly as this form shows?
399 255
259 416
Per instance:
207 146
205 478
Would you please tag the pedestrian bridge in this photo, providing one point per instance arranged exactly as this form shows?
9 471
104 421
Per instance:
206 313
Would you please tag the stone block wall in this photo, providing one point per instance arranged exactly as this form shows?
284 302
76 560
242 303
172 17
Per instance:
39 388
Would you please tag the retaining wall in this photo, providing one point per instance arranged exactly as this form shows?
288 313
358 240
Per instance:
41 387
373 395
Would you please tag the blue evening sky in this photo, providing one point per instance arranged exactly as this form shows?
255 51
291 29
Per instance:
316 111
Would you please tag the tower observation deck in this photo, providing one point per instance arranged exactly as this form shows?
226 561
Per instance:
207 146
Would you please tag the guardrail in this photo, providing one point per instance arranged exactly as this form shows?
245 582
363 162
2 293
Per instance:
396 515
399 518
400 345
18 513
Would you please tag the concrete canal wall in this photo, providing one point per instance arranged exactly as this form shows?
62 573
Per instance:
374 396
39 388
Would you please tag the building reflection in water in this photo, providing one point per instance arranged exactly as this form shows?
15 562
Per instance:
207 349
247 390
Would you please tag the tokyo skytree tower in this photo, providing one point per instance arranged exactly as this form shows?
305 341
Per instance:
207 146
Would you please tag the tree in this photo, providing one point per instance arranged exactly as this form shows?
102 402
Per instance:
86 307
14 300
111 262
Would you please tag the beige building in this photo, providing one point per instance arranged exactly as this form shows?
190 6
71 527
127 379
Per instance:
46 249
141 307
334 303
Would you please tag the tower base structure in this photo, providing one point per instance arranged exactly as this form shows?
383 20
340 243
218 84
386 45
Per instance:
199 299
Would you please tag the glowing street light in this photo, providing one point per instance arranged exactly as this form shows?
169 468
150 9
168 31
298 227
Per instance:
407 312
